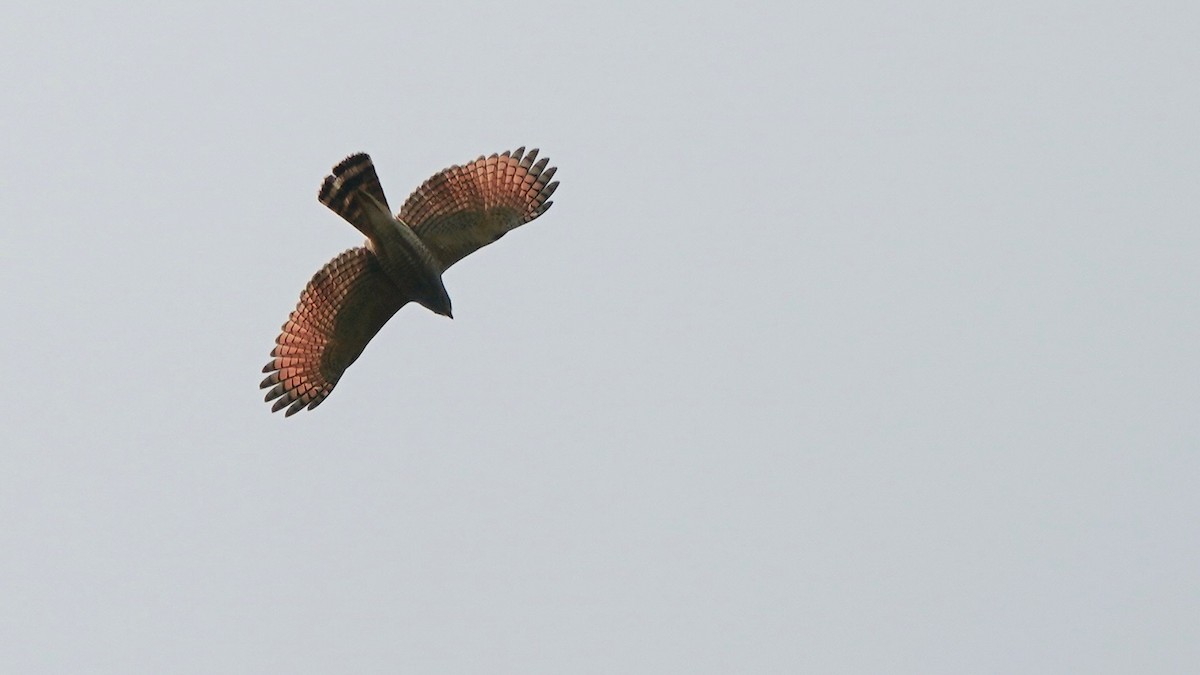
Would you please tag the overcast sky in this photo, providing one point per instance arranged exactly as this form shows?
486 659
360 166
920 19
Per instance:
861 338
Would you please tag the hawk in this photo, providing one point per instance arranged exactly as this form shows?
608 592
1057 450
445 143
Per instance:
451 215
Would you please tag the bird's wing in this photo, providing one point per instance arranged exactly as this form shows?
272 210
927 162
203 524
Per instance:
464 208
340 310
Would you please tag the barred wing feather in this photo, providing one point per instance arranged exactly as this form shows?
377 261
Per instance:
341 309
465 208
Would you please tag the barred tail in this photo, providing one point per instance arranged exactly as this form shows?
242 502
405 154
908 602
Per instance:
342 189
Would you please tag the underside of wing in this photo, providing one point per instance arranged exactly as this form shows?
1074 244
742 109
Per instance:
341 309
464 208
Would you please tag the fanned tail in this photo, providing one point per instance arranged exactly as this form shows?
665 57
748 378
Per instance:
341 191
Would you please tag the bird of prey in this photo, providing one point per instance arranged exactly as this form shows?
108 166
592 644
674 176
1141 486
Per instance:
451 215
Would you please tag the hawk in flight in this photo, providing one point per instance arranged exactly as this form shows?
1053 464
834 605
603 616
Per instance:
454 213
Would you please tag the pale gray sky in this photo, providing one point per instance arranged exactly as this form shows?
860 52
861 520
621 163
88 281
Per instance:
861 338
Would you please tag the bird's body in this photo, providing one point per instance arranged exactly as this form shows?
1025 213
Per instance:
452 214
353 192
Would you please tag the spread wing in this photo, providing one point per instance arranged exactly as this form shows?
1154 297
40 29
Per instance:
464 208
341 309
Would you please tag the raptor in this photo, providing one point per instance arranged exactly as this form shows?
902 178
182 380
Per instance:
453 214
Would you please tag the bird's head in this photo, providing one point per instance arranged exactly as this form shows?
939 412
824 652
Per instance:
439 301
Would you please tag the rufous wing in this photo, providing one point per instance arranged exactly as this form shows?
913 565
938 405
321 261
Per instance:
341 309
464 208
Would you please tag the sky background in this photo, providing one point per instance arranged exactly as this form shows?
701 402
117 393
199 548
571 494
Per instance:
861 338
